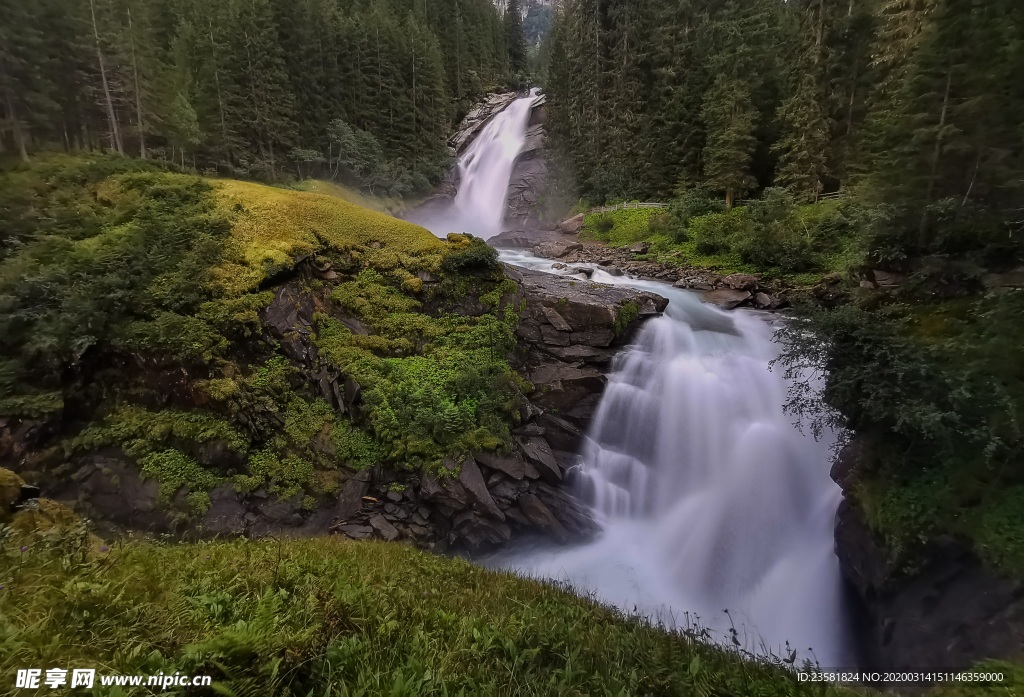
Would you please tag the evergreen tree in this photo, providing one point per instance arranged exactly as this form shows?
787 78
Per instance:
804 143
515 41
730 120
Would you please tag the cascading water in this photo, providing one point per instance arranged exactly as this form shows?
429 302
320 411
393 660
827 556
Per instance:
713 506
710 499
485 170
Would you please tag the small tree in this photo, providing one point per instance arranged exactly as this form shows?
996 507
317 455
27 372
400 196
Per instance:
801 149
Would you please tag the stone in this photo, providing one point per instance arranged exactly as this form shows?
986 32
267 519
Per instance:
476 531
395 496
555 250
763 301
888 279
538 453
541 516
508 464
355 532
727 299
386 530
741 281
446 492
480 497
613 270
571 226
556 320
640 248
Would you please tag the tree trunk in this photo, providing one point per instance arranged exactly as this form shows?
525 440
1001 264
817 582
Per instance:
19 135
729 194
115 131
936 155
138 89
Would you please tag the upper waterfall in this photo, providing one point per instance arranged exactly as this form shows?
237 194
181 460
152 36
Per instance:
485 169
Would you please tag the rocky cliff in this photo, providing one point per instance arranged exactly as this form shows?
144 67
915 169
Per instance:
568 331
948 611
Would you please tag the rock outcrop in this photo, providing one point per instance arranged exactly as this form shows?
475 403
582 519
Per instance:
728 291
568 332
949 612
477 118
529 174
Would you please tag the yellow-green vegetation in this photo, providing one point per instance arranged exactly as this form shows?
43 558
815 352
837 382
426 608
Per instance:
334 617
148 287
773 236
382 204
271 227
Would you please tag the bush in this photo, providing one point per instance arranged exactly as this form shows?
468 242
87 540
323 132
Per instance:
604 223
715 233
694 203
666 224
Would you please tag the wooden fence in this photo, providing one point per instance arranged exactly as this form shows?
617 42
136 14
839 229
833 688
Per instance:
833 196
626 207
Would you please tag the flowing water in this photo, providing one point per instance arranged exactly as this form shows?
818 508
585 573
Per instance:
715 510
712 504
484 172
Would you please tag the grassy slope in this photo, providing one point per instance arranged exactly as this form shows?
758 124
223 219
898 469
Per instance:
329 616
272 226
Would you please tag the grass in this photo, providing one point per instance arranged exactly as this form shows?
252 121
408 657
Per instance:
381 204
271 227
832 242
334 617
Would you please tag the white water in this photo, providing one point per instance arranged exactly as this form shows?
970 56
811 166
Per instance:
710 500
485 170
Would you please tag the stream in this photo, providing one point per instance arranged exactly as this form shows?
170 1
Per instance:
716 511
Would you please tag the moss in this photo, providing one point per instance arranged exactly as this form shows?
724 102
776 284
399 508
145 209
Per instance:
283 476
10 491
271 227
624 315
139 431
174 470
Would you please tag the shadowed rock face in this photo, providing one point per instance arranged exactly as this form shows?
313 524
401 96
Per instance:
950 613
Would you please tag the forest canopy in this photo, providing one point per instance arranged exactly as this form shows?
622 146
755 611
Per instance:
251 87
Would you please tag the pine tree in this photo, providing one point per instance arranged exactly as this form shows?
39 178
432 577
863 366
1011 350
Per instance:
730 119
515 42
804 143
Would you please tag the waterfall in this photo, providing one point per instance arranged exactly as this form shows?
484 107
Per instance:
713 505
484 172
715 509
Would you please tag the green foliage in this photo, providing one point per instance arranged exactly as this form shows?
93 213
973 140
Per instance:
140 431
284 476
917 386
715 233
330 617
470 255
626 313
174 470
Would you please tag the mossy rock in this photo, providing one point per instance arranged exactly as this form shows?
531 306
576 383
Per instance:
10 491
47 515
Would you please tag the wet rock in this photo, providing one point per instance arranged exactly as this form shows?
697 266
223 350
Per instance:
538 453
763 301
727 299
888 279
555 250
541 516
479 496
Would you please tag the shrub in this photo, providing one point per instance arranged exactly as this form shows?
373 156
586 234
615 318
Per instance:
714 233
604 223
